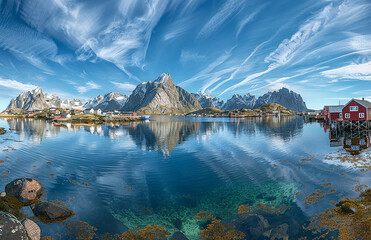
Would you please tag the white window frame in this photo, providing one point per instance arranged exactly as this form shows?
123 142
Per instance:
340 115
361 115
347 115
353 108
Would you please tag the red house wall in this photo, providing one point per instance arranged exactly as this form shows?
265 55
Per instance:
334 116
354 115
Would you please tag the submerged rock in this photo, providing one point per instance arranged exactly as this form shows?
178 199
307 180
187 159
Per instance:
279 232
51 212
252 225
178 236
2 131
25 189
11 228
32 229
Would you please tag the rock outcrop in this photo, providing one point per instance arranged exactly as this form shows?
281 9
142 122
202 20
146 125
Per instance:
11 228
50 212
24 189
284 97
161 97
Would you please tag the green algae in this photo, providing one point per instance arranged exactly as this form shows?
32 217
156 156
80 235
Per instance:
223 202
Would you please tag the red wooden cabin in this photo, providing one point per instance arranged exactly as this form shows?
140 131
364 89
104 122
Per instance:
357 110
335 113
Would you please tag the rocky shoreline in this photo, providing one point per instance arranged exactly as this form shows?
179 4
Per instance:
26 192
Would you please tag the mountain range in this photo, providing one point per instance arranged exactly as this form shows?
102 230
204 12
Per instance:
160 96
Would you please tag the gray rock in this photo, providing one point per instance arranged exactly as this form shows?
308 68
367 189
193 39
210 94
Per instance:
11 228
31 101
284 97
178 236
32 229
51 212
161 97
24 189
279 232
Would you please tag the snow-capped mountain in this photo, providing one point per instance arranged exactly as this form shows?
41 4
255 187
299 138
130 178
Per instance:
92 103
72 104
112 101
36 100
31 101
52 100
206 100
161 96
237 102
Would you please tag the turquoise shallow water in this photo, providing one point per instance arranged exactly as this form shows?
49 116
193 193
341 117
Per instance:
165 171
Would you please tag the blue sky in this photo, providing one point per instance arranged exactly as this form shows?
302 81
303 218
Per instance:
79 49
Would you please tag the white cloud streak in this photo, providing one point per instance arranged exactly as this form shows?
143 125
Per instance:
352 71
8 83
124 86
88 86
225 11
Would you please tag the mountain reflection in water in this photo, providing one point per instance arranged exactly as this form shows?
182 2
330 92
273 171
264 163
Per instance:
177 166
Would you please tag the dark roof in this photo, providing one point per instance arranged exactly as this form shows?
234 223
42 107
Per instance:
364 102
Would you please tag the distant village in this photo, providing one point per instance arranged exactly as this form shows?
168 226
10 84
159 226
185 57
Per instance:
89 115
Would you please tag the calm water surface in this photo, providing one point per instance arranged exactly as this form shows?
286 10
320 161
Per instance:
165 171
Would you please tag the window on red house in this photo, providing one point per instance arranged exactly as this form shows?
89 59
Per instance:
347 115
361 115
353 108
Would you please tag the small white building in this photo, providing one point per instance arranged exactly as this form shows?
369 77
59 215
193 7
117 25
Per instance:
93 111
89 111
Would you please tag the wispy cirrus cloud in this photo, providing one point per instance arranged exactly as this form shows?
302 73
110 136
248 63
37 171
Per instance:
225 12
9 83
127 87
330 17
289 47
248 19
352 71
210 67
87 87
190 55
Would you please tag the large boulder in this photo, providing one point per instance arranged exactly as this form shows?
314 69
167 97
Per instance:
25 189
11 228
50 212
32 229
178 236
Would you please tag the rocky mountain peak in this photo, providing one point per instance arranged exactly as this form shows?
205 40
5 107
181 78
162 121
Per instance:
161 96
